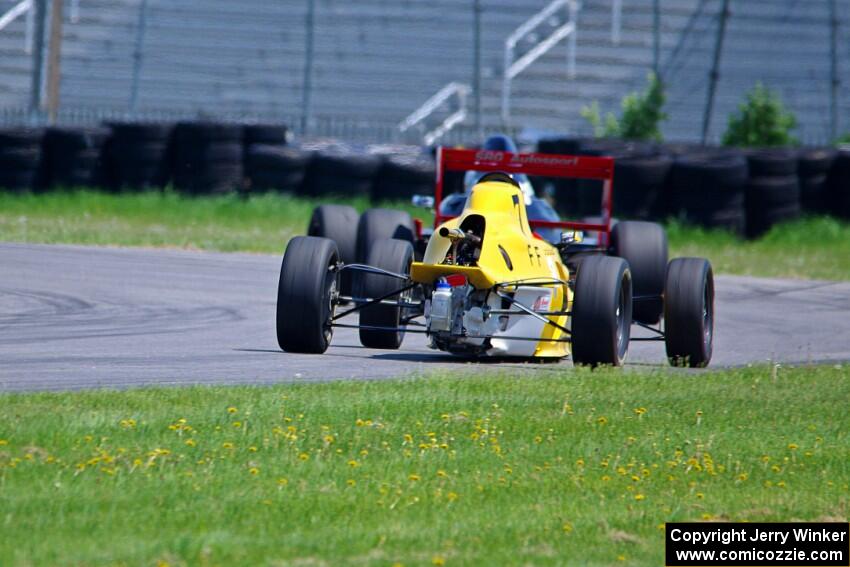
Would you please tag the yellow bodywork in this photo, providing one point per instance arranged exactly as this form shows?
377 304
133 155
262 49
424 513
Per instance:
502 206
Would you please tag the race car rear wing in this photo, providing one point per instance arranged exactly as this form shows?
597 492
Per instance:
544 165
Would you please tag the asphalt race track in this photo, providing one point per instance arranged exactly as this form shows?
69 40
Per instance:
78 317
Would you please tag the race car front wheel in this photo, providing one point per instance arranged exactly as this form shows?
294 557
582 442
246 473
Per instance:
689 312
602 311
394 256
306 294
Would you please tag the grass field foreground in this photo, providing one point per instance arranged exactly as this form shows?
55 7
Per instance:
813 248
573 467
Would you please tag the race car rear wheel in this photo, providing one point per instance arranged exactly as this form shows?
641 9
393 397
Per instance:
644 246
339 223
378 224
689 312
394 256
602 311
306 294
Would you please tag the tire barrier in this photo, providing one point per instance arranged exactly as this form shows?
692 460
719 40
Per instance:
562 191
136 156
275 168
405 171
206 157
73 157
20 159
838 184
337 169
708 189
640 173
814 165
266 134
773 189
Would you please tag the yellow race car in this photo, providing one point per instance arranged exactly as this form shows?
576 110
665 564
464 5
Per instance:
485 284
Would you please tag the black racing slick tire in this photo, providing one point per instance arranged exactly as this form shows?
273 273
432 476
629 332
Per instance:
602 311
394 256
339 223
306 295
378 224
689 312
644 246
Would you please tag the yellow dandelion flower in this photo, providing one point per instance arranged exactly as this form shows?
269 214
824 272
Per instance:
408 438
640 497
452 496
580 462
232 409
227 445
364 452
781 484
359 422
353 464
793 446
765 458
441 473
438 560
640 411
303 456
776 468
254 471
329 438
351 482
253 449
700 495
190 442
3 442
237 424
413 477
605 478
602 420
621 558
538 439
282 481
743 476
567 527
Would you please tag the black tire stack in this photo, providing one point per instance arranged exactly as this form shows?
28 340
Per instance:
265 134
773 189
560 189
404 172
275 168
20 159
136 156
206 157
73 157
337 169
813 169
838 183
707 189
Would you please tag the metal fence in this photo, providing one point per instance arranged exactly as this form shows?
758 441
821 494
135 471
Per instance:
369 70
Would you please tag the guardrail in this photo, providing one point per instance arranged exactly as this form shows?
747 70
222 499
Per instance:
27 8
567 30
24 7
432 105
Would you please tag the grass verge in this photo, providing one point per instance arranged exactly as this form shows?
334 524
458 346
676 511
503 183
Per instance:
576 467
813 248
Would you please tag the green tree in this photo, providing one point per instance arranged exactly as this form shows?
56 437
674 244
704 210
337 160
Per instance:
761 121
642 114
